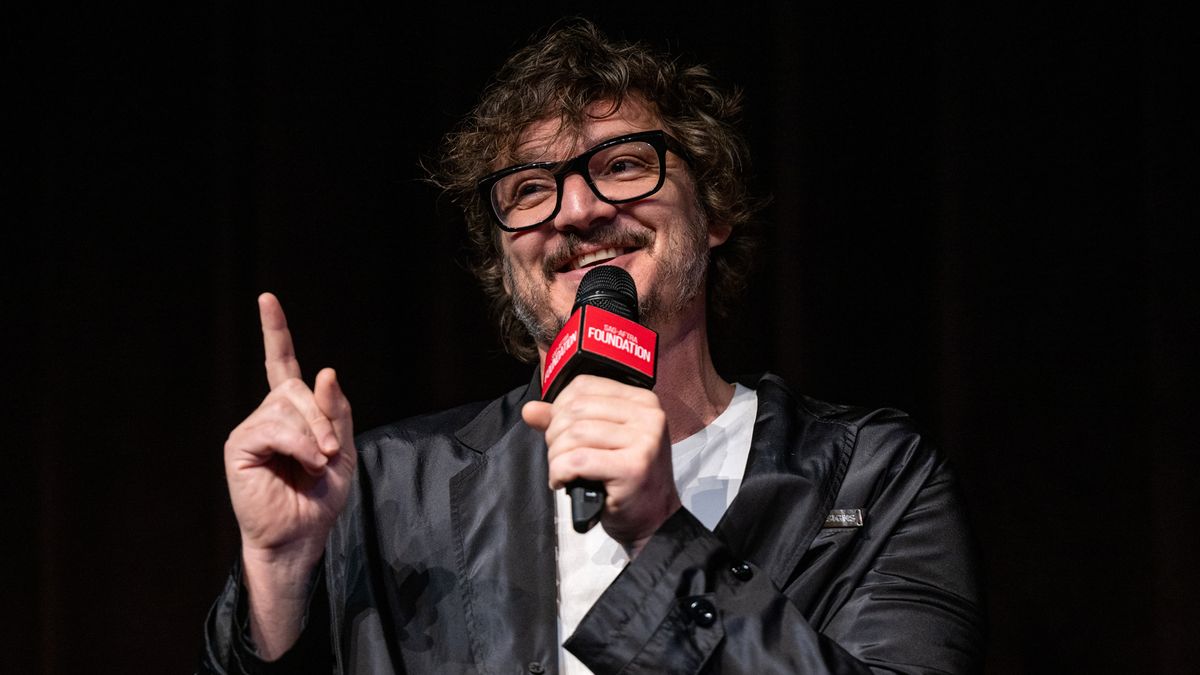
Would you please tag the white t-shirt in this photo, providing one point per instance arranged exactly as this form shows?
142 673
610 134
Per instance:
708 467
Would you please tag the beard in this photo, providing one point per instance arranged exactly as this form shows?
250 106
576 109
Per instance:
681 265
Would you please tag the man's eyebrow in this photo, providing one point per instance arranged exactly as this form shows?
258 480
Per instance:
528 156
535 154
528 153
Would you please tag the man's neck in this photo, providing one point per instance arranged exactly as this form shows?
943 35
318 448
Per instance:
689 388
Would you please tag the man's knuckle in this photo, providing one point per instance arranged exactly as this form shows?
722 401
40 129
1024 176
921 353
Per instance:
576 406
644 397
578 460
583 429
560 471
277 406
655 420
570 436
294 386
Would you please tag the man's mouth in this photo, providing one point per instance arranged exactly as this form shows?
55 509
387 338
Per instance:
573 253
594 258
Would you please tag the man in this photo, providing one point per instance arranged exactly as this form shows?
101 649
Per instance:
744 529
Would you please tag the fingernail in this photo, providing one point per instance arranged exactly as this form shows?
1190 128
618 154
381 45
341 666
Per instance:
329 443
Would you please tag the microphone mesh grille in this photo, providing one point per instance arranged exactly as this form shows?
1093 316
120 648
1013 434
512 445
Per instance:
610 288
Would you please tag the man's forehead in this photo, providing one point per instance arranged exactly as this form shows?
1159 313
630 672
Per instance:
554 138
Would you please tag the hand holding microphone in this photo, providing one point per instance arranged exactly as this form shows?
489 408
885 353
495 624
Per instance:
606 431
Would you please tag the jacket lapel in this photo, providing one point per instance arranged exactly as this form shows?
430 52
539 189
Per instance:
503 516
797 462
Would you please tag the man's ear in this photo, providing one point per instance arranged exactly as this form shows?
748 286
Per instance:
718 233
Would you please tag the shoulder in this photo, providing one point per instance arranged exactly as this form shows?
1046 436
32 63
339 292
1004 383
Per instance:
864 431
421 427
473 425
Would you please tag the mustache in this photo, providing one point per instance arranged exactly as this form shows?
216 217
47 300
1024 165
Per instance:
603 237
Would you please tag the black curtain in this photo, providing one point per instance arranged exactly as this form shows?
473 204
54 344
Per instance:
977 216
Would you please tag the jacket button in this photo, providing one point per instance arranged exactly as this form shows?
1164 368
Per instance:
742 571
702 612
536 667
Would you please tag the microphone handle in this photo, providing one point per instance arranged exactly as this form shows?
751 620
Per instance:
587 502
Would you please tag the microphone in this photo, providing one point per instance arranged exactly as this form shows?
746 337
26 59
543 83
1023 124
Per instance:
602 337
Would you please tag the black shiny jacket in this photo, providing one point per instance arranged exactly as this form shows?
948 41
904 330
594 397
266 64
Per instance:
444 560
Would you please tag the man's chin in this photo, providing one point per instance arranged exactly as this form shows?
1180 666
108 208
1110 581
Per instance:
542 330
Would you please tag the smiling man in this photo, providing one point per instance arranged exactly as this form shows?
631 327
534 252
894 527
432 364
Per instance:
745 529
631 203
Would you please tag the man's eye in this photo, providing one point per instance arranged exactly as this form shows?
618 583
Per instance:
530 192
529 189
625 166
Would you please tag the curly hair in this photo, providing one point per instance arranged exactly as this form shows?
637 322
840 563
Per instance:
562 74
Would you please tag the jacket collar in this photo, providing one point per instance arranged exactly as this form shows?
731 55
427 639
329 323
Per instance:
486 429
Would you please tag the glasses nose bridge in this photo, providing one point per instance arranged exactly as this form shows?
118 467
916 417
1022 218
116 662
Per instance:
577 210
579 165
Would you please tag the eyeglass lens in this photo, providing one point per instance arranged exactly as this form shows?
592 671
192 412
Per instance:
621 172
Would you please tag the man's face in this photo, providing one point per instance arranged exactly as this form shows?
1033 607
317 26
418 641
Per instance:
662 240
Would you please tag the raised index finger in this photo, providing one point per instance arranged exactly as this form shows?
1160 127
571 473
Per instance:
277 341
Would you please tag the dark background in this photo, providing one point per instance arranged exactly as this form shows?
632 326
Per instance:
978 217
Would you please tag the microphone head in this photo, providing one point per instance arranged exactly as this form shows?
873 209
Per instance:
610 288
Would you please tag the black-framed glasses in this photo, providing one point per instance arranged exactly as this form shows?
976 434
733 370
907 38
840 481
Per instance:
620 170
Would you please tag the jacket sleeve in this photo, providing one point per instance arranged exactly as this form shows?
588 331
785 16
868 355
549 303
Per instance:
228 650
900 598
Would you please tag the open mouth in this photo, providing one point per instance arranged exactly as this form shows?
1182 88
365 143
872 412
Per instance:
593 258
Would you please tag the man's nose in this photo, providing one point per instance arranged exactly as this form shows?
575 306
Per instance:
581 209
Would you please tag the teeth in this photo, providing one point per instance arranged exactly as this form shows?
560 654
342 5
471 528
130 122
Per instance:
596 256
